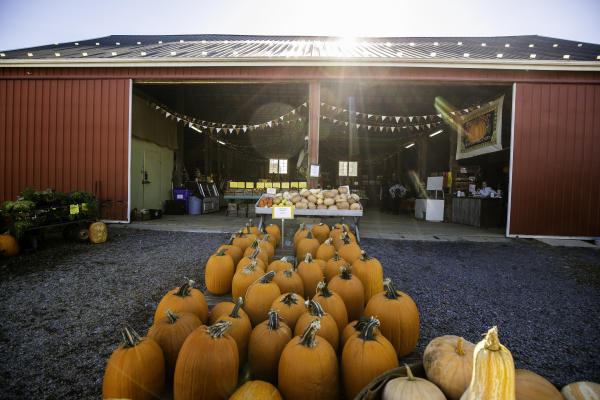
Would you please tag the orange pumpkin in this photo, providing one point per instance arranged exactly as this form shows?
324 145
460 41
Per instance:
222 308
274 231
289 281
529 385
245 261
354 328
218 273
98 232
244 278
332 304
351 290
329 329
279 265
234 251
266 246
290 307
259 297
256 389
349 251
332 268
320 232
311 275
9 247
241 241
251 228
325 250
259 252
307 245
300 234
183 299
370 272
240 329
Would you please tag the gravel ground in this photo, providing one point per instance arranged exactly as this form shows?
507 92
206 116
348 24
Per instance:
64 305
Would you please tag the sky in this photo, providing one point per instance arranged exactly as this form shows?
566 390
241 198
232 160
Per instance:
28 23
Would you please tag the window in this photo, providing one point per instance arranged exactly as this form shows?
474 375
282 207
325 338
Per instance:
277 166
348 168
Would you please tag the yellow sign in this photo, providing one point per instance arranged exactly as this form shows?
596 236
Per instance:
285 185
302 185
232 185
269 185
260 185
74 209
283 212
249 185
276 185
294 184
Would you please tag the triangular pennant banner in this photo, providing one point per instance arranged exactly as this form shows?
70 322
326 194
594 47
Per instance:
381 129
425 117
397 119
269 123
211 129
357 126
304 104
218 130
428 126
439 115
417 126
410 119
237 130
346 123
230 130
244 128
167 114
281 118
404 120
293 111
190 124
178 119
383 117
393 128
369 115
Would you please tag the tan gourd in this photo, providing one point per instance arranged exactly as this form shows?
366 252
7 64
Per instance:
582 390
531 386
411 388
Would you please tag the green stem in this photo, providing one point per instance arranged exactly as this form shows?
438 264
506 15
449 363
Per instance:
130 337
218 329
250 268
336 257
367 331
274 319
364 256
289 299
288 273
322 287
361 323
314 308
308 337
221 252
235 313
308 258
390 290
172 317
345 273
230 242
184 290
266 278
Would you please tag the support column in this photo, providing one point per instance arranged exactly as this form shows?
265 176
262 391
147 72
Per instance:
314 115
422 157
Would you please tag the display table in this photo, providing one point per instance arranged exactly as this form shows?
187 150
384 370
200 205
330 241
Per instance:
429 209
480 212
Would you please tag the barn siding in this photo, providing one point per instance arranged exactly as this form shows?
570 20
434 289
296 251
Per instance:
66 135
556 161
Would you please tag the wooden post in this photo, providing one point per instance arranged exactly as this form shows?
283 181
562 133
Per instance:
422 157
314 115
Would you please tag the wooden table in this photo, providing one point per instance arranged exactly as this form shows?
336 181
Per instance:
480 212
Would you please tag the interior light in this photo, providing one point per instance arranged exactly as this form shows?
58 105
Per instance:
143 53
84 54
531 45
460 43
436 133
532 55
408 146
221 142
566 56
195 128
499 55
114 53
466 55
555 45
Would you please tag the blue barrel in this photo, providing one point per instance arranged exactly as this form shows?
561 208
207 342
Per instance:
195 205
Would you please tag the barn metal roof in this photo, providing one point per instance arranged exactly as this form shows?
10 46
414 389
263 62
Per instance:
198 49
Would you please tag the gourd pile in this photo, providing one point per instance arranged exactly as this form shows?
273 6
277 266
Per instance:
289 326
316 199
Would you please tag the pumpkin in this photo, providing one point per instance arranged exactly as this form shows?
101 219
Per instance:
253 229
9 247
325 250
218 273
322 264
257 251
476 130
329 329
289 281
349 251
332 268
259 297
207 366
448 362
269 238
350 289
308 367
223 308
493 375
320 232
274 231
170 333
354 328
531 386
364 358
279 265
265 346
98 232
581 391
234 251
311 275
135 370
259 390
300 234
307 245
241 241
183 299
398 316
245 261
290 307
332 304
411 388
240 329
244 278
267 247
335 233
370 272
340 240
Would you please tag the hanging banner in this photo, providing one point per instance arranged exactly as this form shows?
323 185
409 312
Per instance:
480 131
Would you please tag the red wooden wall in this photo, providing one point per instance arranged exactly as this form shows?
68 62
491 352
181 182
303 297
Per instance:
66 134
556 160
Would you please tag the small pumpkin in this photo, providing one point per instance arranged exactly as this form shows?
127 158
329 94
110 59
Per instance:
279 265
582 390
271 239
325 250
307 245
493 375
411 388
448 362
244 278
274 231
183 299
259 252
265 346
531 386
333 304
253 229
207 366
349 251
98 232
329 329
290 307
300 234
256 389
240 329
218 273
354 328
259 297
320 232
399 318
311 274
9 247
308 367
234 251
351 290
370 272
340 240
246 260
135 370
170 332
222 308
267 247
332 268
364 358
241 241
289 281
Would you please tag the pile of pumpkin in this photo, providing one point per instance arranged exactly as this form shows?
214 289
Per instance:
289 326
318 199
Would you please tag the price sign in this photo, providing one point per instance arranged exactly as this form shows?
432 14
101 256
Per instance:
271 191
283 212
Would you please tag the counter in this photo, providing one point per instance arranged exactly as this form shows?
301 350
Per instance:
480 212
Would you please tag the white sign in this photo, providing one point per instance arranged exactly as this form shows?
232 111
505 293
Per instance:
435 183
271 191
283 212
315 170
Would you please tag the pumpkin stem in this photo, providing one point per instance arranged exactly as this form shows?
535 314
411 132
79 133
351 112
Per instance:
491 339
130 337
240 233
254 254
364 256
288 273
235 313
336 257
308 337
346 239
254 244
314 308
248 269
409 373
345 273
289 299
172 317
184 290
230 242
248 228
218 329
274 319
361 323
459 347
328 241
266 278
284 259
221 252
390 290
265 238
322 287
308 258
251 222
309 235
367 331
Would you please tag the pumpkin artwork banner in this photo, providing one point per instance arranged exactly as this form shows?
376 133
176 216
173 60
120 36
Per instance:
480 131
